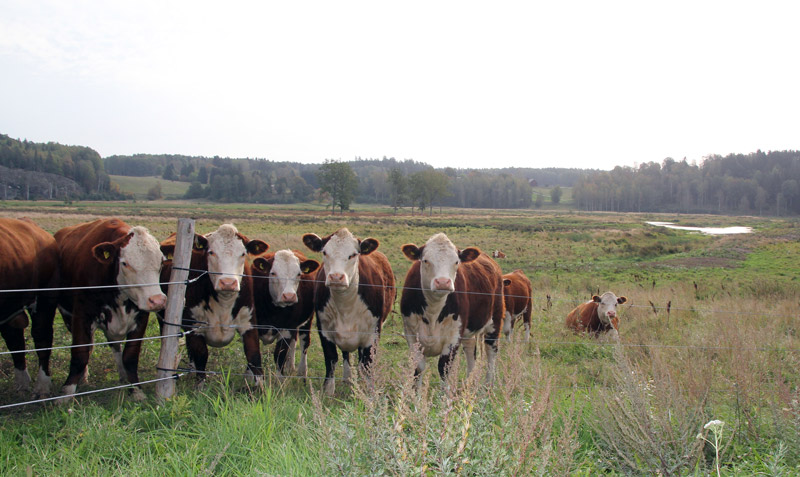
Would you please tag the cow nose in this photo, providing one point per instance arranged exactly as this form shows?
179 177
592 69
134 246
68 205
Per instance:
157 302
441 283
227 284
612 314
289 297
336 277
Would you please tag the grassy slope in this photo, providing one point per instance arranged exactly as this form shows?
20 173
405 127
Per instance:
549 389
140 185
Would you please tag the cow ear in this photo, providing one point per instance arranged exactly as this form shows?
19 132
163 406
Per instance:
313 242
104 252
596 299
411 251
368 245
468 254
200 243
308 266
256 247
261 264
168 251
621 300
506 282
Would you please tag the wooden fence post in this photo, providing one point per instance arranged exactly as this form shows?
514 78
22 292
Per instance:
176 296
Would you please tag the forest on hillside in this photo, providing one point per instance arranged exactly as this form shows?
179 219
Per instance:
757 183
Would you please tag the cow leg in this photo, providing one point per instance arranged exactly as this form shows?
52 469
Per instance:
346 372
331 357
491 339
279 354
130 356
508 325
304 338
291 344
15 340
445 361
42 333
470 352
81 335
197 350
252 353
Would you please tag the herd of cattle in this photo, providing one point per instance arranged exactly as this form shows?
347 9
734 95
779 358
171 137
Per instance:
108 275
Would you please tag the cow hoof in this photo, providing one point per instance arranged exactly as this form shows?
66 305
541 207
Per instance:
22 380
67 394
137 395
329 387
200 385
43 386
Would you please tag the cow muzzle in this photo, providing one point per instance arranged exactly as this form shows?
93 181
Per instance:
227 284
442 285
156 302
287 299
337 280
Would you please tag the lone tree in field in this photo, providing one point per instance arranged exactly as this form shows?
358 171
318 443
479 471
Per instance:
555 194
338 179
428 186
398 188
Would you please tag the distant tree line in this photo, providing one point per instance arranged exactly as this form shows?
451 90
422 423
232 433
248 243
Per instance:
761 183
78 163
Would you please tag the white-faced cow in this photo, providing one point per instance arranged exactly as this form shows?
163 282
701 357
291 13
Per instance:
220 303
28 260
498 254
599 315
353 294
451 297
283 287
517 291
108 252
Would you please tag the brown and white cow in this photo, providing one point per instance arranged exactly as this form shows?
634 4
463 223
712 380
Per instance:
220 303
353 294
108 252
28 260
517 291
498 254
599 315
283 287
451 297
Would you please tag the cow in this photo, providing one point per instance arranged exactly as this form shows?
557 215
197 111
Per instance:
451 297
353 294
28 261
219 303
498 254
517 291
108 252
599 315
283 288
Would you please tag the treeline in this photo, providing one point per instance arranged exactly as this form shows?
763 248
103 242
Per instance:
762 183
81 164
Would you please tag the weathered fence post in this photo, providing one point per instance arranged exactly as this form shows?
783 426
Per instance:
168 359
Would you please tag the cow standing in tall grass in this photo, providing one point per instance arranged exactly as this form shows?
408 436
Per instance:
353 294
451 297
517 291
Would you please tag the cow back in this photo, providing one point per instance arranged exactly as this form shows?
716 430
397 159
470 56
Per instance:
583 318
75 243
518 293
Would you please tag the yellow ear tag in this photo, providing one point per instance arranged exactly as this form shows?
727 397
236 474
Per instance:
106 254
169 256
197 244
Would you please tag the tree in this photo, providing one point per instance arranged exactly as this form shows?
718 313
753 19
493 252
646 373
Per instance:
555 194
427 187
338 179
154 193
539 201
398 188
169 173
202 175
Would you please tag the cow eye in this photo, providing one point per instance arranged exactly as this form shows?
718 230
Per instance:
424 261
352 256
211 252
124 264
324 254
272 274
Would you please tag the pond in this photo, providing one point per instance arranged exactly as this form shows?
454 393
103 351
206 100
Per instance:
705 230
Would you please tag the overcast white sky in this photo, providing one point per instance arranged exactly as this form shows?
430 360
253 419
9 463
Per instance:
589 84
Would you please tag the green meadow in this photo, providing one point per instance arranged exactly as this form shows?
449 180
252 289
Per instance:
709 332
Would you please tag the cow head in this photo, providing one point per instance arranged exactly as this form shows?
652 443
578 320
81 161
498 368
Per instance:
138 258
199 247
607 307
226 254
439 261
340 252
284 271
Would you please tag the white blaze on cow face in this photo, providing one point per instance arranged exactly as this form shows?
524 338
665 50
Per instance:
140 263
284 277
607 306
340 258
226 256
439 264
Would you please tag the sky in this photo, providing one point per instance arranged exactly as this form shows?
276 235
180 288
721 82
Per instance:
583 84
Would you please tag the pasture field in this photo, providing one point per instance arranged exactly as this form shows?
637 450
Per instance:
709 332
139 186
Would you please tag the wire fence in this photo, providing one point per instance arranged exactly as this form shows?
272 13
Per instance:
190 326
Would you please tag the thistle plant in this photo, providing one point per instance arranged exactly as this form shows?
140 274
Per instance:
715 427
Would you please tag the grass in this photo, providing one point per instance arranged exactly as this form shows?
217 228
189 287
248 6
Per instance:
726 348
